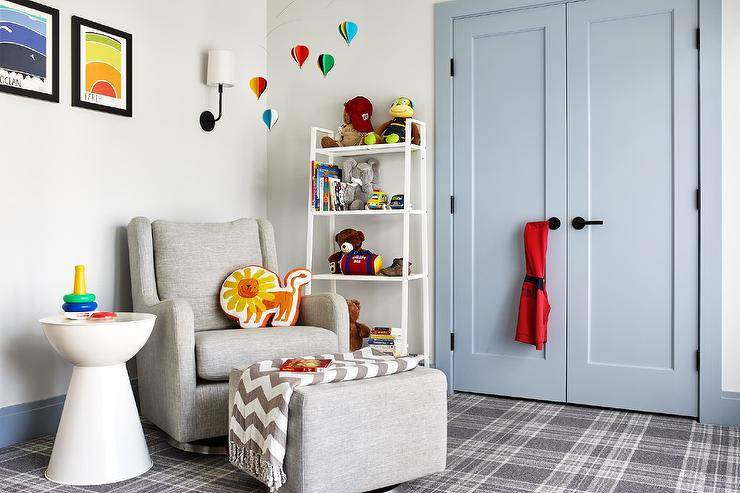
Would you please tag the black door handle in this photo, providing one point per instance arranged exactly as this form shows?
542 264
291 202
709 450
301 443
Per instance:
580 223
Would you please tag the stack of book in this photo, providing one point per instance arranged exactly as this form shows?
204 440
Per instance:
327 188
387 340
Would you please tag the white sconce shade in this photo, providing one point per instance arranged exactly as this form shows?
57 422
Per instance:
220 68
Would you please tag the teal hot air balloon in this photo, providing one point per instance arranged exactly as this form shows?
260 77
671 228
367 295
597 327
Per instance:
348 30
270 117
326 63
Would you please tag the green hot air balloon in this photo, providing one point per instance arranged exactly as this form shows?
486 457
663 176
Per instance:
326 63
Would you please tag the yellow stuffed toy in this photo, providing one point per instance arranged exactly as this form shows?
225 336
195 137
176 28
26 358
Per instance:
394 131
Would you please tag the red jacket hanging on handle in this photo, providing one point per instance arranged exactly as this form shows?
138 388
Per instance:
534 307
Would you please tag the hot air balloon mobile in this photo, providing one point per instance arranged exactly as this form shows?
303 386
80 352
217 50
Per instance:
258 85
270 118
348 30
299 54
326 63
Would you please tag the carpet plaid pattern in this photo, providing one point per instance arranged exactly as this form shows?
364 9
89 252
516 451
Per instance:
508 445
495 445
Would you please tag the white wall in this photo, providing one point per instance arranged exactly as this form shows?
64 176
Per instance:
391 56
731 206
70 178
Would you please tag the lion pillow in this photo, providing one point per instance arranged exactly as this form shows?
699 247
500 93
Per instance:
254 297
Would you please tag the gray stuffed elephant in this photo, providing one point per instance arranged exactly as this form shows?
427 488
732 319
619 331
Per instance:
361 179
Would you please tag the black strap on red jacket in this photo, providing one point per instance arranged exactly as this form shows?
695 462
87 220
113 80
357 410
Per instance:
537 281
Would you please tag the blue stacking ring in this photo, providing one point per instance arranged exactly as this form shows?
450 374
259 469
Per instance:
79 307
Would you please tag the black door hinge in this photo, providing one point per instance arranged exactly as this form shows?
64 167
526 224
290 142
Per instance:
698 38
452 204
452 341
698 199
452 67
698 360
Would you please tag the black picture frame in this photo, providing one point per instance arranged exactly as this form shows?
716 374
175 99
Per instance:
77 24
6 87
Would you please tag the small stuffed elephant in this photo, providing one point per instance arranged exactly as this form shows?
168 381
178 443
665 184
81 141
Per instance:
362 179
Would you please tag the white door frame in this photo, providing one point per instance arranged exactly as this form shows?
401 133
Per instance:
714 405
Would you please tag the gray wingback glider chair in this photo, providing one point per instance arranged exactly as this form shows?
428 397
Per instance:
183 370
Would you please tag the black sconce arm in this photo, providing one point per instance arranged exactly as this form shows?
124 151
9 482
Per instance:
207 120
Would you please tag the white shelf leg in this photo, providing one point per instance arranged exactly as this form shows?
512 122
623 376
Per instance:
309 224
406 235
405 315
425 249
332 226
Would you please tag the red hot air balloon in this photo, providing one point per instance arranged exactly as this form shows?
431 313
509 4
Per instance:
299 54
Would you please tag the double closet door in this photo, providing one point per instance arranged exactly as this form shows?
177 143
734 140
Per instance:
590 110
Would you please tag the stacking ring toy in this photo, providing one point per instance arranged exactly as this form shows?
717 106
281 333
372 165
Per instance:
79 307
79 304
79 298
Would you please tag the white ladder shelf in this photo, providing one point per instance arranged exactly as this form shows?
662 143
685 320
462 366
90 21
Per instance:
410 152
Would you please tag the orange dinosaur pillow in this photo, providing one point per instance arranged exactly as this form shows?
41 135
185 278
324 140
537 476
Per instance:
253 296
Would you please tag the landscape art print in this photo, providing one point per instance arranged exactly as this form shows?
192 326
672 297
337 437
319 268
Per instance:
29 49
101 67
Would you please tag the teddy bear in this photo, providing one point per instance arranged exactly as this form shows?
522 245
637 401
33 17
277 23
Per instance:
351 259
348 239
394 130
361 179
357 330
357 124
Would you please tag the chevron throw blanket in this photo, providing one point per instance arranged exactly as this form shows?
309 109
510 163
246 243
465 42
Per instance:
258 425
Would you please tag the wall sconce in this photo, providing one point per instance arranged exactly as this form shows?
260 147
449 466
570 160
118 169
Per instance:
221 74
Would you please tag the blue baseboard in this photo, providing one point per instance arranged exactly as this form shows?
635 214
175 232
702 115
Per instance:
31 420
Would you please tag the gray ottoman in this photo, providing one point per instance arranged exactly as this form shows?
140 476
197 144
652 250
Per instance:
363 435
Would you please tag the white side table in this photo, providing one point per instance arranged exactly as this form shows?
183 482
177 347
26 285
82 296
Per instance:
100 439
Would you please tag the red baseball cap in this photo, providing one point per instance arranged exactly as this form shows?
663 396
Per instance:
360 109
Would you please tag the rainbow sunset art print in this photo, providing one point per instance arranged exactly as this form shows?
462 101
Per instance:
103 62
29 49
101 71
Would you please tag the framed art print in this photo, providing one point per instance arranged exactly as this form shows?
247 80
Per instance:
29 49
101 67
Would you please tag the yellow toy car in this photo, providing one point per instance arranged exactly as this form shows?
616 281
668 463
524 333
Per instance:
378 200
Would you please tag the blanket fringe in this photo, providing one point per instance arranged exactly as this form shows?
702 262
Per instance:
253 463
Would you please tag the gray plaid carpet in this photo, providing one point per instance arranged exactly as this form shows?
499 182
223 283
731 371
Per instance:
495 445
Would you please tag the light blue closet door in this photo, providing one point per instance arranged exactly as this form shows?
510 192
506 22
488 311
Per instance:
509 168
633 281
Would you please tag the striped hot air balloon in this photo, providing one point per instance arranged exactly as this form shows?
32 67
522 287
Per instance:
348 30
299 54
258 85
270 118
326 63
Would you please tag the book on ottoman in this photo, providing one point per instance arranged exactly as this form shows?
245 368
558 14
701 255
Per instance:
301 365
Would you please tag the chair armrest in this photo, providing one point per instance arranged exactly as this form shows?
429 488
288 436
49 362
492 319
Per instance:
327 310
166 367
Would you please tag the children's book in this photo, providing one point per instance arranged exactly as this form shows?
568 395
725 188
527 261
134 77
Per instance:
341 194
319 171
300 365
325 196
333 182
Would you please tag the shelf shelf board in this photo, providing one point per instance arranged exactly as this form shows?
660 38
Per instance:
363 212
366 149
342 277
